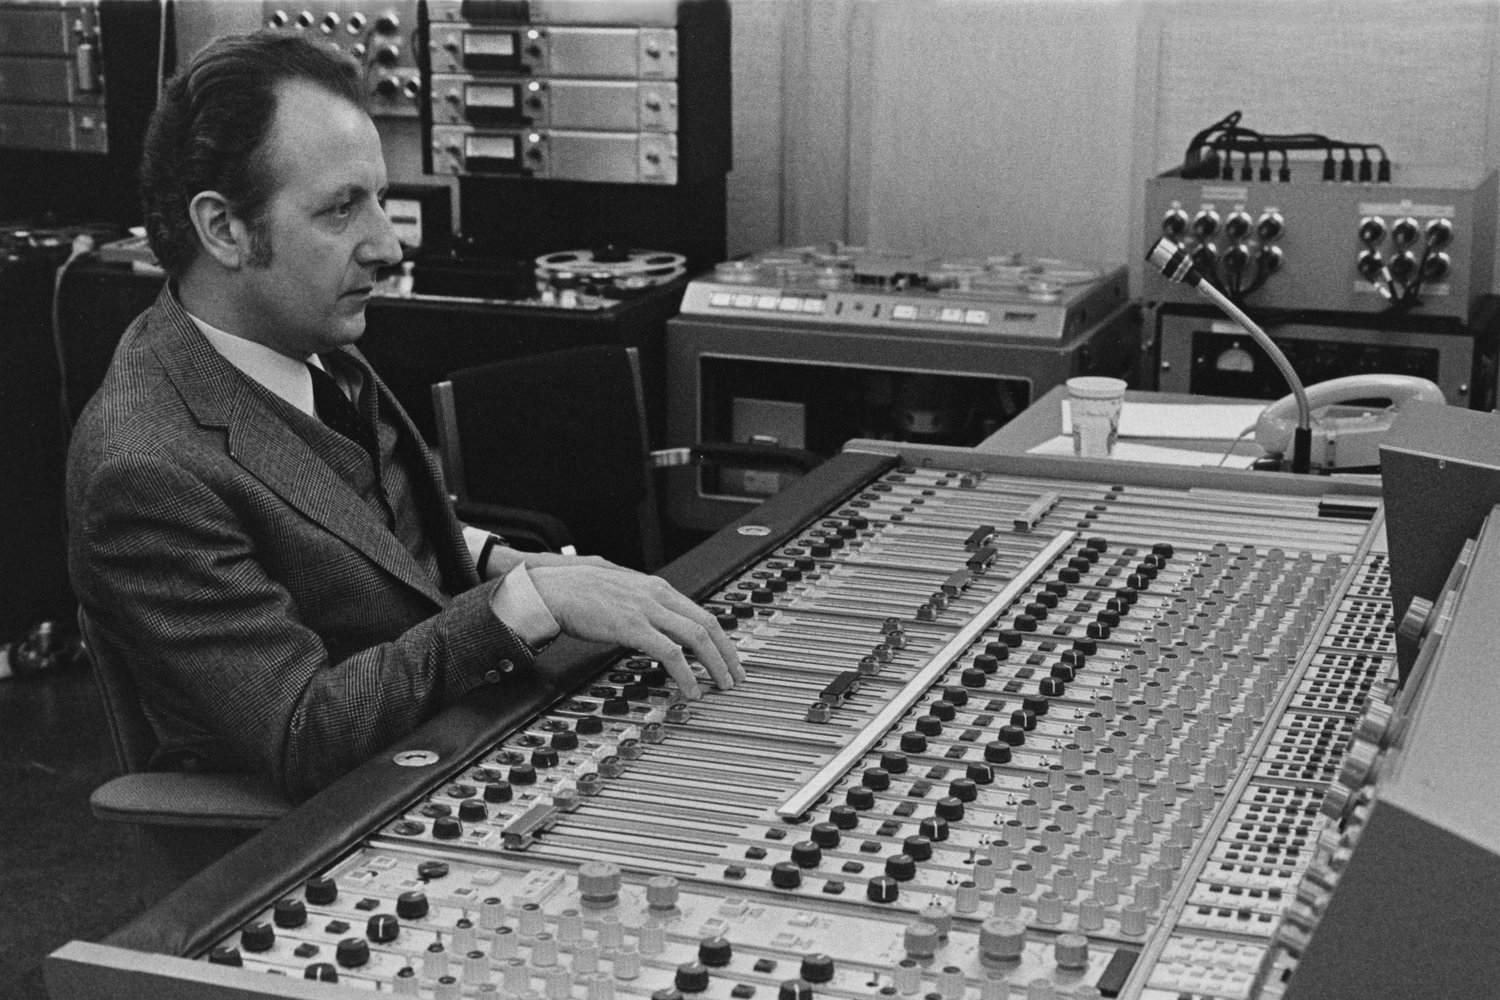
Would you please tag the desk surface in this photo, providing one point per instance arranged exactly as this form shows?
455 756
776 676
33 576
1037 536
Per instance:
1042 421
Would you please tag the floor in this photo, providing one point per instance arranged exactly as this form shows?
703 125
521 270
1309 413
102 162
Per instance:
62 872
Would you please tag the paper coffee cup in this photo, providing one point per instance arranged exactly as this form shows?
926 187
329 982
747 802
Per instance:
1094 403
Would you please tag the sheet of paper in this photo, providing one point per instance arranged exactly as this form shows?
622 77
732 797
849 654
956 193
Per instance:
1136 452
1203 421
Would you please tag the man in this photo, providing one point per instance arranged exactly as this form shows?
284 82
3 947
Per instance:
257 532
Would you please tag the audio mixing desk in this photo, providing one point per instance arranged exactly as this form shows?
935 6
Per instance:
1012 727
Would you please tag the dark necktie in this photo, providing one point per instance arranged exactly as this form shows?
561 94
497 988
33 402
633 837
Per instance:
337 412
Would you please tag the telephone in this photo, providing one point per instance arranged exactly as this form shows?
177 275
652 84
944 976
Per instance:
1344 436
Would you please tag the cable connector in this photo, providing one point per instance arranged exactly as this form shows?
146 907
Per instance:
1330 167
1346 168
1366 170
1383 170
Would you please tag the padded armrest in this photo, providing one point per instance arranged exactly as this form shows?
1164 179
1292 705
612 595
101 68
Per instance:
171 798
526 530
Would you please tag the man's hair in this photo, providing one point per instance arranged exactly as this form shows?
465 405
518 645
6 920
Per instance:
209 132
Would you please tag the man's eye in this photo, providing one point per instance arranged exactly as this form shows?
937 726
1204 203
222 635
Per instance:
343 208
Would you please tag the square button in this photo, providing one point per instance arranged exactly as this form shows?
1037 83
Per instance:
720 300
977 317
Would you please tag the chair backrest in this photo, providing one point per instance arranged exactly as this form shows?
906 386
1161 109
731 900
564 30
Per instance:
563 433
134 739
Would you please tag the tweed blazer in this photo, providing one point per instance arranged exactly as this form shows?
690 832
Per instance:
270 618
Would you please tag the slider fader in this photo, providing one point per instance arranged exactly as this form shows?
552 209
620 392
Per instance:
1001 736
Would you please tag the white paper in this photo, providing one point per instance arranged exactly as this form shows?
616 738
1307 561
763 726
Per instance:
1200 421
1133 451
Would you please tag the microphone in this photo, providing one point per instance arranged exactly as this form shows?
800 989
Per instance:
1176 265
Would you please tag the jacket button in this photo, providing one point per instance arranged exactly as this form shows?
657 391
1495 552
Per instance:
505 666
492 677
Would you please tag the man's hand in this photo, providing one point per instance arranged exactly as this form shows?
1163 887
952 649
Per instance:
601 602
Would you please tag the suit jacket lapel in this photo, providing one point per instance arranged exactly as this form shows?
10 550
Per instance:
262 441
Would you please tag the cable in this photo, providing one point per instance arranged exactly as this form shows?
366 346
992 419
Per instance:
83 244
1232 445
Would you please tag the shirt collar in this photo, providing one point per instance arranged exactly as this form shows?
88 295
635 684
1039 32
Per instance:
284 376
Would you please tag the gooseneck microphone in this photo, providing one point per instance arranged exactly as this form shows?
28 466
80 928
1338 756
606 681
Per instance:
1176 265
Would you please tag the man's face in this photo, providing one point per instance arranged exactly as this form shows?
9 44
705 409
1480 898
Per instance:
324 226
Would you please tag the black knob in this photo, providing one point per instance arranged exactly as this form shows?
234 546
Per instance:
916 848
882 889
786 875
321 891
817 969
996 752
1088 647
1025 623
473 811
1129 595
893 762
289 913
876 779
807 854
999 650
962 789
795 989
351 953
1069 574
257 936
589 725
987 663
982 774
715 951
611 706
827 834
1052 687
860 798
956 695
901 867
447 828
1046 598
565 740
544 757
935 828
929 725
497 791
411 905
844 817
972 677
691 977
1075 658
321 972
911 743
1096 544
226 955
1009 636
523 774
1012 735
940 711
1034 703
382 928
1024 719
1063 672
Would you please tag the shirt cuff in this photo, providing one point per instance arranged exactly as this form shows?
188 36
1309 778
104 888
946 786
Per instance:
517 604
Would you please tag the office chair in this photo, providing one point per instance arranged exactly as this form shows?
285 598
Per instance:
564 434
180 822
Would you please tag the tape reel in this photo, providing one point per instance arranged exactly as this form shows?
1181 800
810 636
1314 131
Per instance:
608 271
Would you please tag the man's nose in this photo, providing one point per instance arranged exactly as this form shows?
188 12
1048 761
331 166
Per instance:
381 245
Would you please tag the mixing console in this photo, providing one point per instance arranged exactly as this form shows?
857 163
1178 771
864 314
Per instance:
1001 736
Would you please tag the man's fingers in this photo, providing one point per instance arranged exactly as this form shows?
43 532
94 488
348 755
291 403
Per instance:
700 632
669 655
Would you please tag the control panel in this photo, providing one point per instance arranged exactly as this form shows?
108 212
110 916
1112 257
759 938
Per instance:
52 77
603 93
1423 244
380 34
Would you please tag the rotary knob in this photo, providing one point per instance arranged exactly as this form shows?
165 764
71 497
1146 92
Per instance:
715 951
321 891
412 905
1002 940
382 928
257 936
662 893
351 953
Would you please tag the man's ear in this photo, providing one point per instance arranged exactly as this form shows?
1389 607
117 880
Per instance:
222 233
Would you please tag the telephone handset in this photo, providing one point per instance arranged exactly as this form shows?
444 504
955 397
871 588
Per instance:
1344 436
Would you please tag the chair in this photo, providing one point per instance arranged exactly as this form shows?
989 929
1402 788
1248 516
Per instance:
564 433
180 821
